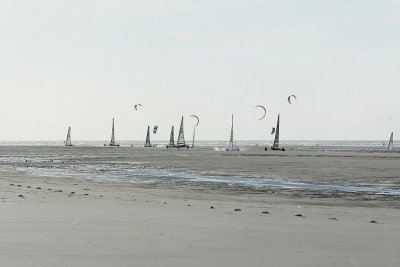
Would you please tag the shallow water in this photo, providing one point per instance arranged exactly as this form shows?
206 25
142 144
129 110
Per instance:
135 172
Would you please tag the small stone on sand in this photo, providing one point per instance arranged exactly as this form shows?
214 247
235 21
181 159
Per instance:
211 207
373 222
238 210
298 215
265 212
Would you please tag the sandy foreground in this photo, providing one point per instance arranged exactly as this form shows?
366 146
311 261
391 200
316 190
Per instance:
49 221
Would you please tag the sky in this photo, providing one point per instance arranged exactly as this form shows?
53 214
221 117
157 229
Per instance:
80 63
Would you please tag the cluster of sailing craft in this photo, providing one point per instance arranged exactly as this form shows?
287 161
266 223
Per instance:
181 139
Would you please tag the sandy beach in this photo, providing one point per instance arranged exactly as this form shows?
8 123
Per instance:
49 218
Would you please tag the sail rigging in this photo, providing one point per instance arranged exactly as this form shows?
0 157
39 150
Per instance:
275 146
147 144
194 133
68 140
112 142
230 145
181 137
194 128
171 138
390 146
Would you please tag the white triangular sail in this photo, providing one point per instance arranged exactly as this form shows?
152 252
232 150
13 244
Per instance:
230 145
171 137
112 142
147 144
181 137
276 140
68 140
390 146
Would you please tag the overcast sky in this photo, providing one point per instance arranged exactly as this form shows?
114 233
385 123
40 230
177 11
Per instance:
80 63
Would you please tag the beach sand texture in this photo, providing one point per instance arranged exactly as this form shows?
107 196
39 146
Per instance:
49 218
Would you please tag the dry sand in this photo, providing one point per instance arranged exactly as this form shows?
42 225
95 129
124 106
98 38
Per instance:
53 221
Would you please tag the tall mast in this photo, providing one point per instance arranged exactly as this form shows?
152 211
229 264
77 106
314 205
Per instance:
194 132
68 140
390 146
231 138
112 134
181 137
148 137
171 137
276 140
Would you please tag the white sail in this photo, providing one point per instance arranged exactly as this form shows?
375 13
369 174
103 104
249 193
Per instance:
194 133
181 137
147 144
68 140
194 128
276 140
390 146
171 137
230 145
112 142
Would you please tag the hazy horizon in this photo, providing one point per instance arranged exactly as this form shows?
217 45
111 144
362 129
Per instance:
82 63
189 140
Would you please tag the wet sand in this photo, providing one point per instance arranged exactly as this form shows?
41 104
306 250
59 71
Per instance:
55 221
